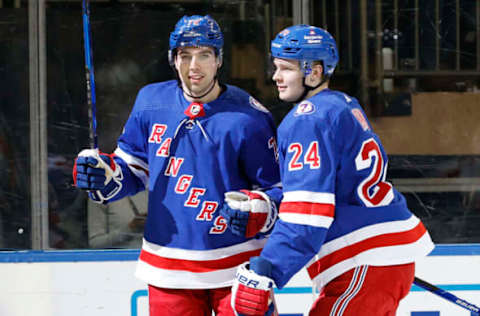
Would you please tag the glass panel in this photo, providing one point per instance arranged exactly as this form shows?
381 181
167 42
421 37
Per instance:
14 128
67 124
418 81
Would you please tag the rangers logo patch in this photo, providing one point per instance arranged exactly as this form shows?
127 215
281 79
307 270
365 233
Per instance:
305 107
257 105
361 119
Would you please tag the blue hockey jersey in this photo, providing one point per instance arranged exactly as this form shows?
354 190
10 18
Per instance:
187 156
338 211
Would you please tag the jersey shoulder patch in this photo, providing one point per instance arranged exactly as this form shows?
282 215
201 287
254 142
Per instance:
304 108
360 118
257 105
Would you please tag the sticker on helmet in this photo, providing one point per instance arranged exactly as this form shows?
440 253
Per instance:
305 107
257 105
195 21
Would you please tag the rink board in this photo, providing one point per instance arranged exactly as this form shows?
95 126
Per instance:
98 283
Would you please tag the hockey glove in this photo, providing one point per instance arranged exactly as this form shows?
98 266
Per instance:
99 174
249 212
252 290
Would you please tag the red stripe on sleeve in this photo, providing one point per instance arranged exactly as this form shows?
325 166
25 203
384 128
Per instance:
308 208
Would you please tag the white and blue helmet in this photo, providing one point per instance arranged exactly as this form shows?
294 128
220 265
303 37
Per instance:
306 44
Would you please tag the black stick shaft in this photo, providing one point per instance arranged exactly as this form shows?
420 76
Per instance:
91 96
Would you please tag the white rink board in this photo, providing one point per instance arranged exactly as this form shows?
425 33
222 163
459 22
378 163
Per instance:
98 283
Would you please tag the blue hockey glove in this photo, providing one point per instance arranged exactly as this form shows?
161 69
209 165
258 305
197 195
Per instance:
249 212
98 173
252 290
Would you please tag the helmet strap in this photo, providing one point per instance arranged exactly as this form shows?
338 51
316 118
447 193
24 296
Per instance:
209 90
307 89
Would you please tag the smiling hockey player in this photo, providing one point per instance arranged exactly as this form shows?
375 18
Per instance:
188 142
339 217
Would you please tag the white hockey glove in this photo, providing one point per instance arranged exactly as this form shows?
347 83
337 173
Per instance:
249 212
252 290
98 173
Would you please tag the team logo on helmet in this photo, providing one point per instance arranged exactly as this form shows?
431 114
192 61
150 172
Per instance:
257 105
285 32
305 107
195 22
361 119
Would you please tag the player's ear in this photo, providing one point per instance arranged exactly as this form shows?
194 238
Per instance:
317 70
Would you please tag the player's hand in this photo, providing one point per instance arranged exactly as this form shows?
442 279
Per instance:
98 173
252 290
248 212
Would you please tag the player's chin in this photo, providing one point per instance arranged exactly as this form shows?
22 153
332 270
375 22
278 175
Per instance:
286 97
197 91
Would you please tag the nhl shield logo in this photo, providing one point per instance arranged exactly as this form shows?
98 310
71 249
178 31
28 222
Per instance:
195 110
361 119
305 107
257 105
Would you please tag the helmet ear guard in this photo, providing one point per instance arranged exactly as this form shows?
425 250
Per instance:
171 57
306 67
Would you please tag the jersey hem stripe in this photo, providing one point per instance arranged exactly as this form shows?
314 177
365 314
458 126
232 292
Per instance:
350 251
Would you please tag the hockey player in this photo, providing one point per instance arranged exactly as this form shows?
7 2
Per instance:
339 217
188 142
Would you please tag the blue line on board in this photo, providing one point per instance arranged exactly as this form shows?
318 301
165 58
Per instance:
132 254
69 255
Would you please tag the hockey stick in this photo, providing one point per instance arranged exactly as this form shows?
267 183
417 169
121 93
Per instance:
446 295
91 97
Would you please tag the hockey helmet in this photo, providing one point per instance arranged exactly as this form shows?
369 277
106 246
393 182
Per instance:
306 44
196 30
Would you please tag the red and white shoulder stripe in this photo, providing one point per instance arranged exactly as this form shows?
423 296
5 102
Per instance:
308 208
